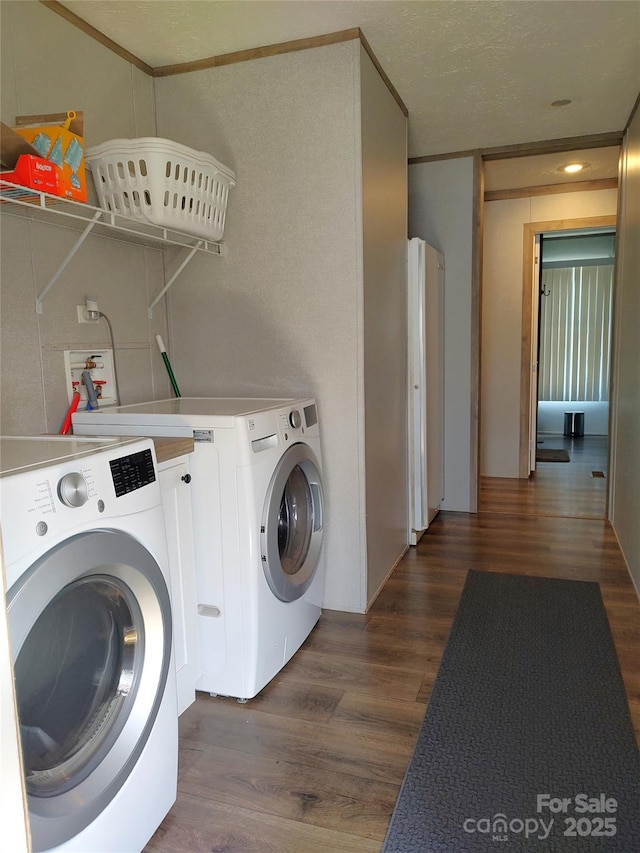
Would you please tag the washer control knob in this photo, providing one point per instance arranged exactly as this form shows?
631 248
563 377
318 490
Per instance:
72 490
294 419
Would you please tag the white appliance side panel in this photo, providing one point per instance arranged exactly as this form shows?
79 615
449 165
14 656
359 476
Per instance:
13 812
434 373
176 505
416 396
426 385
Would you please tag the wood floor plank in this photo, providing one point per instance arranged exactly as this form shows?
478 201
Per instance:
408 649
222 722
335 635
289 698
348 672
197 825
187 756
387 628
424 694
292 790
427 601
556 489
394 718
313 764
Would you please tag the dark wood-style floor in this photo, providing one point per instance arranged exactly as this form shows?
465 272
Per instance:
315 762
574 489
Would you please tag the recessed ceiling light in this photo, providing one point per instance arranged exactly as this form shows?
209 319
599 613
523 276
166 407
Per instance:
572 168
561 102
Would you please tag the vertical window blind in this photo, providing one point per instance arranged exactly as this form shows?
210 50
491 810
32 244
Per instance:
575 333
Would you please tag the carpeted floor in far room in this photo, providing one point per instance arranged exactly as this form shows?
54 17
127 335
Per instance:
315 763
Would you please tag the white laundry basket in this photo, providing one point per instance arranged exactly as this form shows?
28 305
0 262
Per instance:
163 182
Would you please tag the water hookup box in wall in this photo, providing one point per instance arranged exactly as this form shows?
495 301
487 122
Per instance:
99 363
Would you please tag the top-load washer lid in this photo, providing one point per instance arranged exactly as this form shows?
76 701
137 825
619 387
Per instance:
184 411
21 452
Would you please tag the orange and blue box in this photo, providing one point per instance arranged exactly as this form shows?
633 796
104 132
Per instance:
59 139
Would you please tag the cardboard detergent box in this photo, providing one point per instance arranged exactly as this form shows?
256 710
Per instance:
58 138
21 164
34 172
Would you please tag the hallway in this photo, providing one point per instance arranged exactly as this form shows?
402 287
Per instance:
574 489
314 763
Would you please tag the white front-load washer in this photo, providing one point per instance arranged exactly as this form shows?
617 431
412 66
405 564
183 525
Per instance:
258 526
89 615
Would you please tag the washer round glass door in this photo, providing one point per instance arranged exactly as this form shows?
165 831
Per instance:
291 531
90 624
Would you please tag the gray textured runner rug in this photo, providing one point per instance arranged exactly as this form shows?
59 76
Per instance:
527 743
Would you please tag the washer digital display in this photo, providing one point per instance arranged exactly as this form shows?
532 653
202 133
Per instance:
132 472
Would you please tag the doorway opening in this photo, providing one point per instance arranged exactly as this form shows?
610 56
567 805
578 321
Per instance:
564 443
575 289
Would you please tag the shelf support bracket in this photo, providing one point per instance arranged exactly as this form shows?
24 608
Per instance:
174 277
66 261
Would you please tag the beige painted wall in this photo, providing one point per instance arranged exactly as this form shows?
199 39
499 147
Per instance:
282 314
441 212
117 100
279 315
384 201
502 314
625 494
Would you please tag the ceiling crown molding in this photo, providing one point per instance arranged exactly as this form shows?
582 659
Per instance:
531 149
256 53
227 58
105 41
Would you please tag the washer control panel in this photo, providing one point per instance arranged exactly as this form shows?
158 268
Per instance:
275 429
74 491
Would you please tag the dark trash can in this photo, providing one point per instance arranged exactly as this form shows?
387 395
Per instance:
574 424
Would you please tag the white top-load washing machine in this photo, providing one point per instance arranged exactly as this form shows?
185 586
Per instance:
89 616
258 525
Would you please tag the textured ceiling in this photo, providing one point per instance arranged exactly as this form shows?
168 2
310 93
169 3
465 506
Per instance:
542 169
473 73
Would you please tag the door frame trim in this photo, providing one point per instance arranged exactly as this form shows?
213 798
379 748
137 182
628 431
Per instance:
530 229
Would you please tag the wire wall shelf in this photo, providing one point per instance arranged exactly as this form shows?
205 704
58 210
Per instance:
29 203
